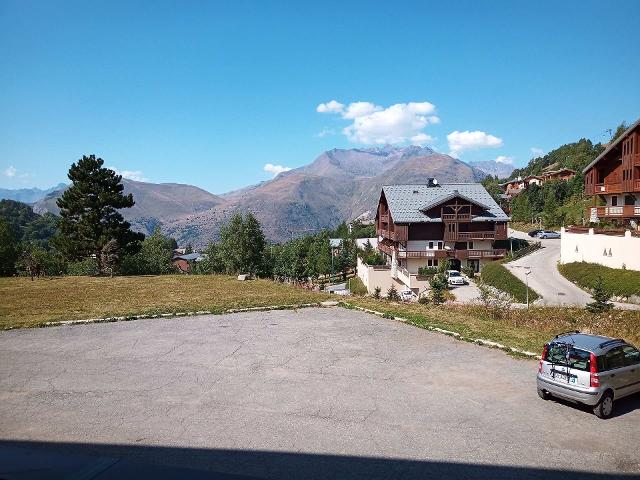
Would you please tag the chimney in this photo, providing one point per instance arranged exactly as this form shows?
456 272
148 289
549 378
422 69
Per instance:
432 182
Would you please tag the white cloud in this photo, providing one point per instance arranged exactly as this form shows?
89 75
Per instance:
374 124
360 109
421 139
10 171
135 175
325 132
538 152
330 107
504 159
275 169
461 141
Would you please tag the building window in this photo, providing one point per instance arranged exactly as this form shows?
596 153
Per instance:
470 245
614 201
430 245
439 246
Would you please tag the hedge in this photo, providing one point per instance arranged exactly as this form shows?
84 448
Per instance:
619 282
497 275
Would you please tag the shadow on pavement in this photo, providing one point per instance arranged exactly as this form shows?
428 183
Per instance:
48 460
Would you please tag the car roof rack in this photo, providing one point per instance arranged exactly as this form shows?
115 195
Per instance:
611 342
571 332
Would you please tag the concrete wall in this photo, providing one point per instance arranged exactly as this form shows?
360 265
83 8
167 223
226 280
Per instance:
373 277
607 250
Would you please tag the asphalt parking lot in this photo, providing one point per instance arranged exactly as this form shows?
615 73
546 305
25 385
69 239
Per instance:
314 393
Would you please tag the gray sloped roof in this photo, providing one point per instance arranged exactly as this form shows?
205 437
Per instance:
406 202
612 145
188 256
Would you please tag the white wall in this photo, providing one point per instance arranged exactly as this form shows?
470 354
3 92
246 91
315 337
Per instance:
372 278
607 250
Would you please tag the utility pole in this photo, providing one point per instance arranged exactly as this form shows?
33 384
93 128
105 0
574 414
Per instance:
526 277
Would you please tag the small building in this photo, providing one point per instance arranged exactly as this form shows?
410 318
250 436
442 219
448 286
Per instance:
422 225
513 187
182 262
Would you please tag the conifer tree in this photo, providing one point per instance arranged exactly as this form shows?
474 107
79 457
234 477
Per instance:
89 212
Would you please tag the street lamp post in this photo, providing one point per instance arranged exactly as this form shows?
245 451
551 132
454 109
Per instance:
526 278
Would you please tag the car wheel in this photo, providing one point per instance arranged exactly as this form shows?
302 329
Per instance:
543 394
604 408
544 236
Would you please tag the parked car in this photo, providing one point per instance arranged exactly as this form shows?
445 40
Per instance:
534 233
548 234
454 277
407 296
589 369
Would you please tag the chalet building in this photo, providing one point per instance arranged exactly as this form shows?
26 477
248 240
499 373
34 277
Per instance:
515 186
612 179
423 225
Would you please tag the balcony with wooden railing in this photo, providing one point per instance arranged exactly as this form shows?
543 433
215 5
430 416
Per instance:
456 217
604 188
442 254
466 236
623 211
490 254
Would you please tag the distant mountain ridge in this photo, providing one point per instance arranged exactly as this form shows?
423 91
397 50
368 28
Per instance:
28 195
491 167
339 185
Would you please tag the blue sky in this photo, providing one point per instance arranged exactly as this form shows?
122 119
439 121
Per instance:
209 93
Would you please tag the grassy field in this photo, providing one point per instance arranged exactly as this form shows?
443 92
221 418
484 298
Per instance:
25 303
619 282
523 329
497 275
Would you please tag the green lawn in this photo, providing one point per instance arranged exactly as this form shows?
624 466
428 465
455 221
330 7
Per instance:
497 275
622 283
26 304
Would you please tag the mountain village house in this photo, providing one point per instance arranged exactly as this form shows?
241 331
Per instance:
423 225
613 180
515 186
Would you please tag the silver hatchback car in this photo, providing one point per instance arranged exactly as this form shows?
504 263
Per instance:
589 369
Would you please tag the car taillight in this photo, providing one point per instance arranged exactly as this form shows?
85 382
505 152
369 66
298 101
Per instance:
544 355
595 379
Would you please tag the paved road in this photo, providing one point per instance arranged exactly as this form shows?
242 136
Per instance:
315 393
545 278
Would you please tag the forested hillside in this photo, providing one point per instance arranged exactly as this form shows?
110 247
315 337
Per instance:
554 203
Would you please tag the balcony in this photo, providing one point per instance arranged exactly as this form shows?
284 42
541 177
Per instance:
400 233
603 188
624 211
636 185
465 236
456 217
476 254
442 254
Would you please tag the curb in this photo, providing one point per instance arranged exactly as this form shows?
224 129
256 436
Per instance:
477 341
87 321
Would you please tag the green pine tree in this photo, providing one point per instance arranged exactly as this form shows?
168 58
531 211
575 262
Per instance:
89 211
601 298
8 249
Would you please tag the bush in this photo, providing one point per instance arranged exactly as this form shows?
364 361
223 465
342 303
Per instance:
469 272
427 271
438 288
376 292
86 267
357 287
617 281
496 275
392 294
601 297
373 259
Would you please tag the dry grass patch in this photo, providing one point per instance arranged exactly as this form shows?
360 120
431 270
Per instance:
26 304
522 329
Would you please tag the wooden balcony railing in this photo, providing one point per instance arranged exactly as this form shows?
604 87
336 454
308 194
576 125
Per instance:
465 236
494 253
456 217
384 217
623 211
608 188
442 254
636 185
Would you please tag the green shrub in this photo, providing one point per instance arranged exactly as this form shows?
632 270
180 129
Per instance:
496 275
392 294
427 271
357 287
617 281
376 292
438 288
601 297
86 267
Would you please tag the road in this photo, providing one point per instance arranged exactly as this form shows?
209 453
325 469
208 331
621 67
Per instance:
545 278
314 393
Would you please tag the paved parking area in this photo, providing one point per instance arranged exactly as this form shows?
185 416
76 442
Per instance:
314 393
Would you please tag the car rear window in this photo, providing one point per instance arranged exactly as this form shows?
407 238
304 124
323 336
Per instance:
565 354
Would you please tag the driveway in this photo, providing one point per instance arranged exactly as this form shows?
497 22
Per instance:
545 278
314 393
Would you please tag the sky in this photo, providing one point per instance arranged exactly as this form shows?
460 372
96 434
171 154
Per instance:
226 94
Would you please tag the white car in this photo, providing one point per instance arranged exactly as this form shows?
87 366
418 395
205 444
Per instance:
454 277
407 296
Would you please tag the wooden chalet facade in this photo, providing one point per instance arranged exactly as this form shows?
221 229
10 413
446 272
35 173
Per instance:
422 225
614 177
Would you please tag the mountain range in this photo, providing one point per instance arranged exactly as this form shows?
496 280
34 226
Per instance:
339 185
28 195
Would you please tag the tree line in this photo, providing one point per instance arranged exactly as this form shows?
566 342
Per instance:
91 237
